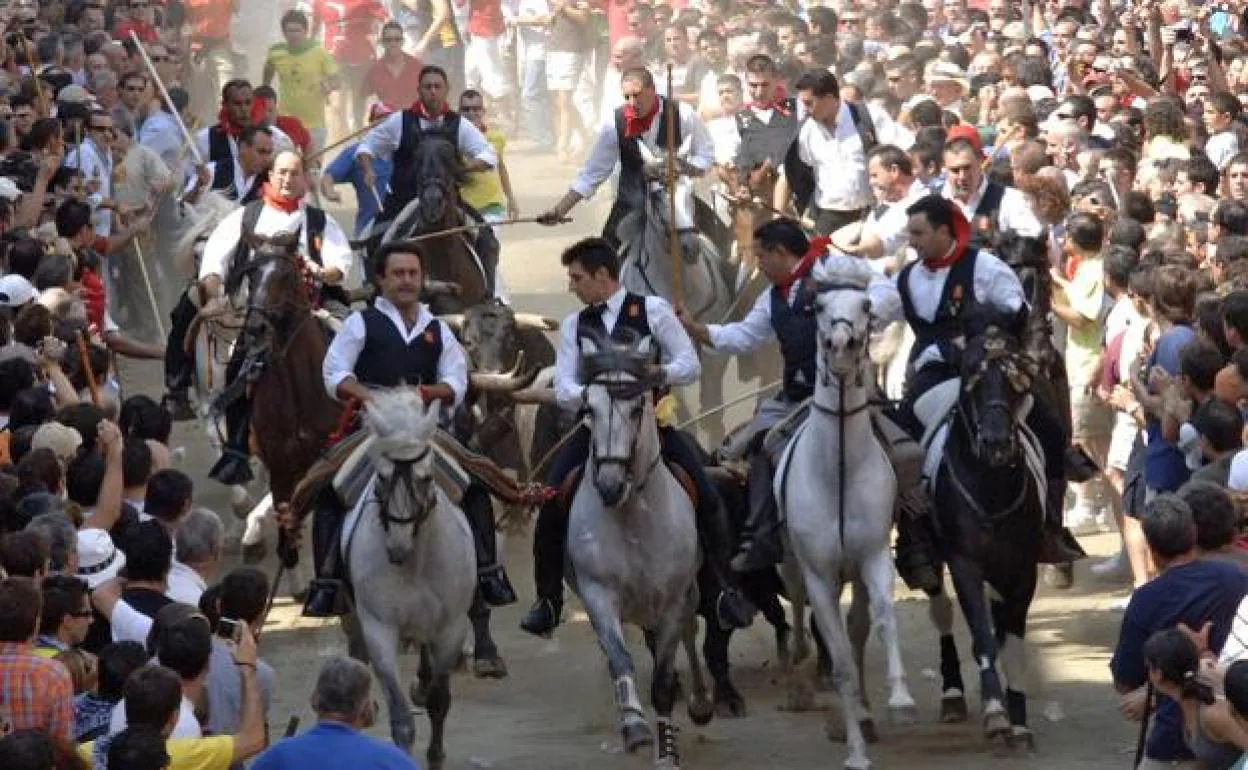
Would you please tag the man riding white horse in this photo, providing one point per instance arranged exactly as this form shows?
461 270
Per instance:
612 312
255 157
327 256
398 342
643 118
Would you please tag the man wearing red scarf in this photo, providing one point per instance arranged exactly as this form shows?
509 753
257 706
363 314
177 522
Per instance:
218 144
766 127
786 257
327 254
643 118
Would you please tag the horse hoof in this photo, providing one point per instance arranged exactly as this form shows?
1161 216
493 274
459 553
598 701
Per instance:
701 710
1021 740
419 693
861 763
435 761
953 710
1059 576
492 667
996 725
637 735
254 553
903 716
728 703
403 735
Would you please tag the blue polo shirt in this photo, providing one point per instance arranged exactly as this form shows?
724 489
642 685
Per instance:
344 169
1196 593
331 746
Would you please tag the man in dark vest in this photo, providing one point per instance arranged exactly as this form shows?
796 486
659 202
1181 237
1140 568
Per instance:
255 156
786 257
323 244
593 272
218 144
990 207
643 118
767 125
397 341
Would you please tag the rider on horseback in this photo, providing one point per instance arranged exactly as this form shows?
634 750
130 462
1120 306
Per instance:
398 342
327 256
255 156
618 142
593 271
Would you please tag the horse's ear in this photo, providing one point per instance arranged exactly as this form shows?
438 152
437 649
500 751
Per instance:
589 346
645 345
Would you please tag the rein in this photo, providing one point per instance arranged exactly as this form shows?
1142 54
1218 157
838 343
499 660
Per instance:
402 474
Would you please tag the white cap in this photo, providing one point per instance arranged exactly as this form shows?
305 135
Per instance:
98 559
16 290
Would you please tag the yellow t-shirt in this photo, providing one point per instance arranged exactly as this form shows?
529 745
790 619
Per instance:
485 188
299 79
213 753
1086 294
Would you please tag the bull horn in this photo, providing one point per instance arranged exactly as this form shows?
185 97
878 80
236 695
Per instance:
540 396
434 288
504 383
536 321
453 320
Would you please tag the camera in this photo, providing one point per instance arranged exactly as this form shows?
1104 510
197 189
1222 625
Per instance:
230 629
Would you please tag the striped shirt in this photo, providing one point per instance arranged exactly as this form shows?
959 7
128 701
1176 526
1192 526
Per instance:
36 693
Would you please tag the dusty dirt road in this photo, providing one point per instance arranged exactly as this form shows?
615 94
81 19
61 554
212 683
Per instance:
554 711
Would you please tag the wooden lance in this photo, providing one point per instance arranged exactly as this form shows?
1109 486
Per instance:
164 94
672 109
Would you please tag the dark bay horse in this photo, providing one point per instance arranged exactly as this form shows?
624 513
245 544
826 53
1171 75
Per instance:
990 518
291 414
437 206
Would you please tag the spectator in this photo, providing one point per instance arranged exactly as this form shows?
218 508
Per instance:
344 706
1217 521
182 641
57 531
1218 429
242 596
142 748
65 616
197 543
136 470
27 750
93 711
168 497
37 692
148 560
1187 590
24 554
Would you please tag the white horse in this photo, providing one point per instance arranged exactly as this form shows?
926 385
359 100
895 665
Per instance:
836 491
411 564
633 545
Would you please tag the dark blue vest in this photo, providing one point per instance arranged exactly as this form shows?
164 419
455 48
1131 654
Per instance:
219 152
404 183
632 318
798 333
388 361
956 301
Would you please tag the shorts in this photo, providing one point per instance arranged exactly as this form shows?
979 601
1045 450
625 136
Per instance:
1134 489
563 70
483 62
1121 440
1090 417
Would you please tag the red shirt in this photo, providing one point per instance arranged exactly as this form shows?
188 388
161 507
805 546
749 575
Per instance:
349 26
398 91
146 32
617 19
294 128
485 18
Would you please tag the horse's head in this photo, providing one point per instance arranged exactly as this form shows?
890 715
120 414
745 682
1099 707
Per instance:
996 380
403 457
440 173
617 396
837 294
275 281
1029 257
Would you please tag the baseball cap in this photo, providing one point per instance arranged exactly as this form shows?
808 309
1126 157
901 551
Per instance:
16 291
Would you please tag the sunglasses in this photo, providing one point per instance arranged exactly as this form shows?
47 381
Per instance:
392 40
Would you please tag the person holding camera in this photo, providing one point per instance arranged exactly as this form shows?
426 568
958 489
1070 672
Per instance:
238 601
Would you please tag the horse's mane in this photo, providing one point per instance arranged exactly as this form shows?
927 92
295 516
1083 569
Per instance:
204 215
446 152
1019 251
400 419
843 270
989 319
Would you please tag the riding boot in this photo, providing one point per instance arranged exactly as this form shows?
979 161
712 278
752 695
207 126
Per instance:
327 594
761 546
732 609
495 588
1058 545
179 367
916 558
234 466
550 535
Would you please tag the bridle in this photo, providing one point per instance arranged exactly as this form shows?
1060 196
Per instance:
620 391
271 316
403 476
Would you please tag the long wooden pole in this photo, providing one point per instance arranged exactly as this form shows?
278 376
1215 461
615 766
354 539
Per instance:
84 359
357 132
475 226
672 108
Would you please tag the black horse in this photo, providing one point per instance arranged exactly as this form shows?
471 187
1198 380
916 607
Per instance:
990 519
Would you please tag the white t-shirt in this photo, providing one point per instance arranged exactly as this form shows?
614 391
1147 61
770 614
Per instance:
187 726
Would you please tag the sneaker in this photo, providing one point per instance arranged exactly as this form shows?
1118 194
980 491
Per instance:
1082 523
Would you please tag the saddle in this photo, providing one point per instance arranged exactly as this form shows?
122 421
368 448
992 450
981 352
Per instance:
567 490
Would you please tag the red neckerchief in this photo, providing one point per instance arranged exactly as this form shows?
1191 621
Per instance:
421 111
962 237
226 122
260 110
635 125
818 246
284 203
779 102
1072 266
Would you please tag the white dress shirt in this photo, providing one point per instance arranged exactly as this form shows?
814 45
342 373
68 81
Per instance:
755 330
891 226
96 166
725 138
281 143
383 140
995 283
345 350
219 249
1014 215
184 585
680 359
839 161
887 130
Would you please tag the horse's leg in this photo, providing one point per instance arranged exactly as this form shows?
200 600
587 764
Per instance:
877 580
601 606
699 705
824 595
952 689
711 395
1009 616
728 700
356 647
823 660
383 643
968 580
486 662
858 626
419 691
801 696
665 642
253 533
763 589
443 654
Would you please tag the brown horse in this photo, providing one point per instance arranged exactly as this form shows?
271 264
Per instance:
437 206
291 414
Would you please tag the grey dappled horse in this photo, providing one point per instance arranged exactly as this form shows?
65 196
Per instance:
633 545
411 562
